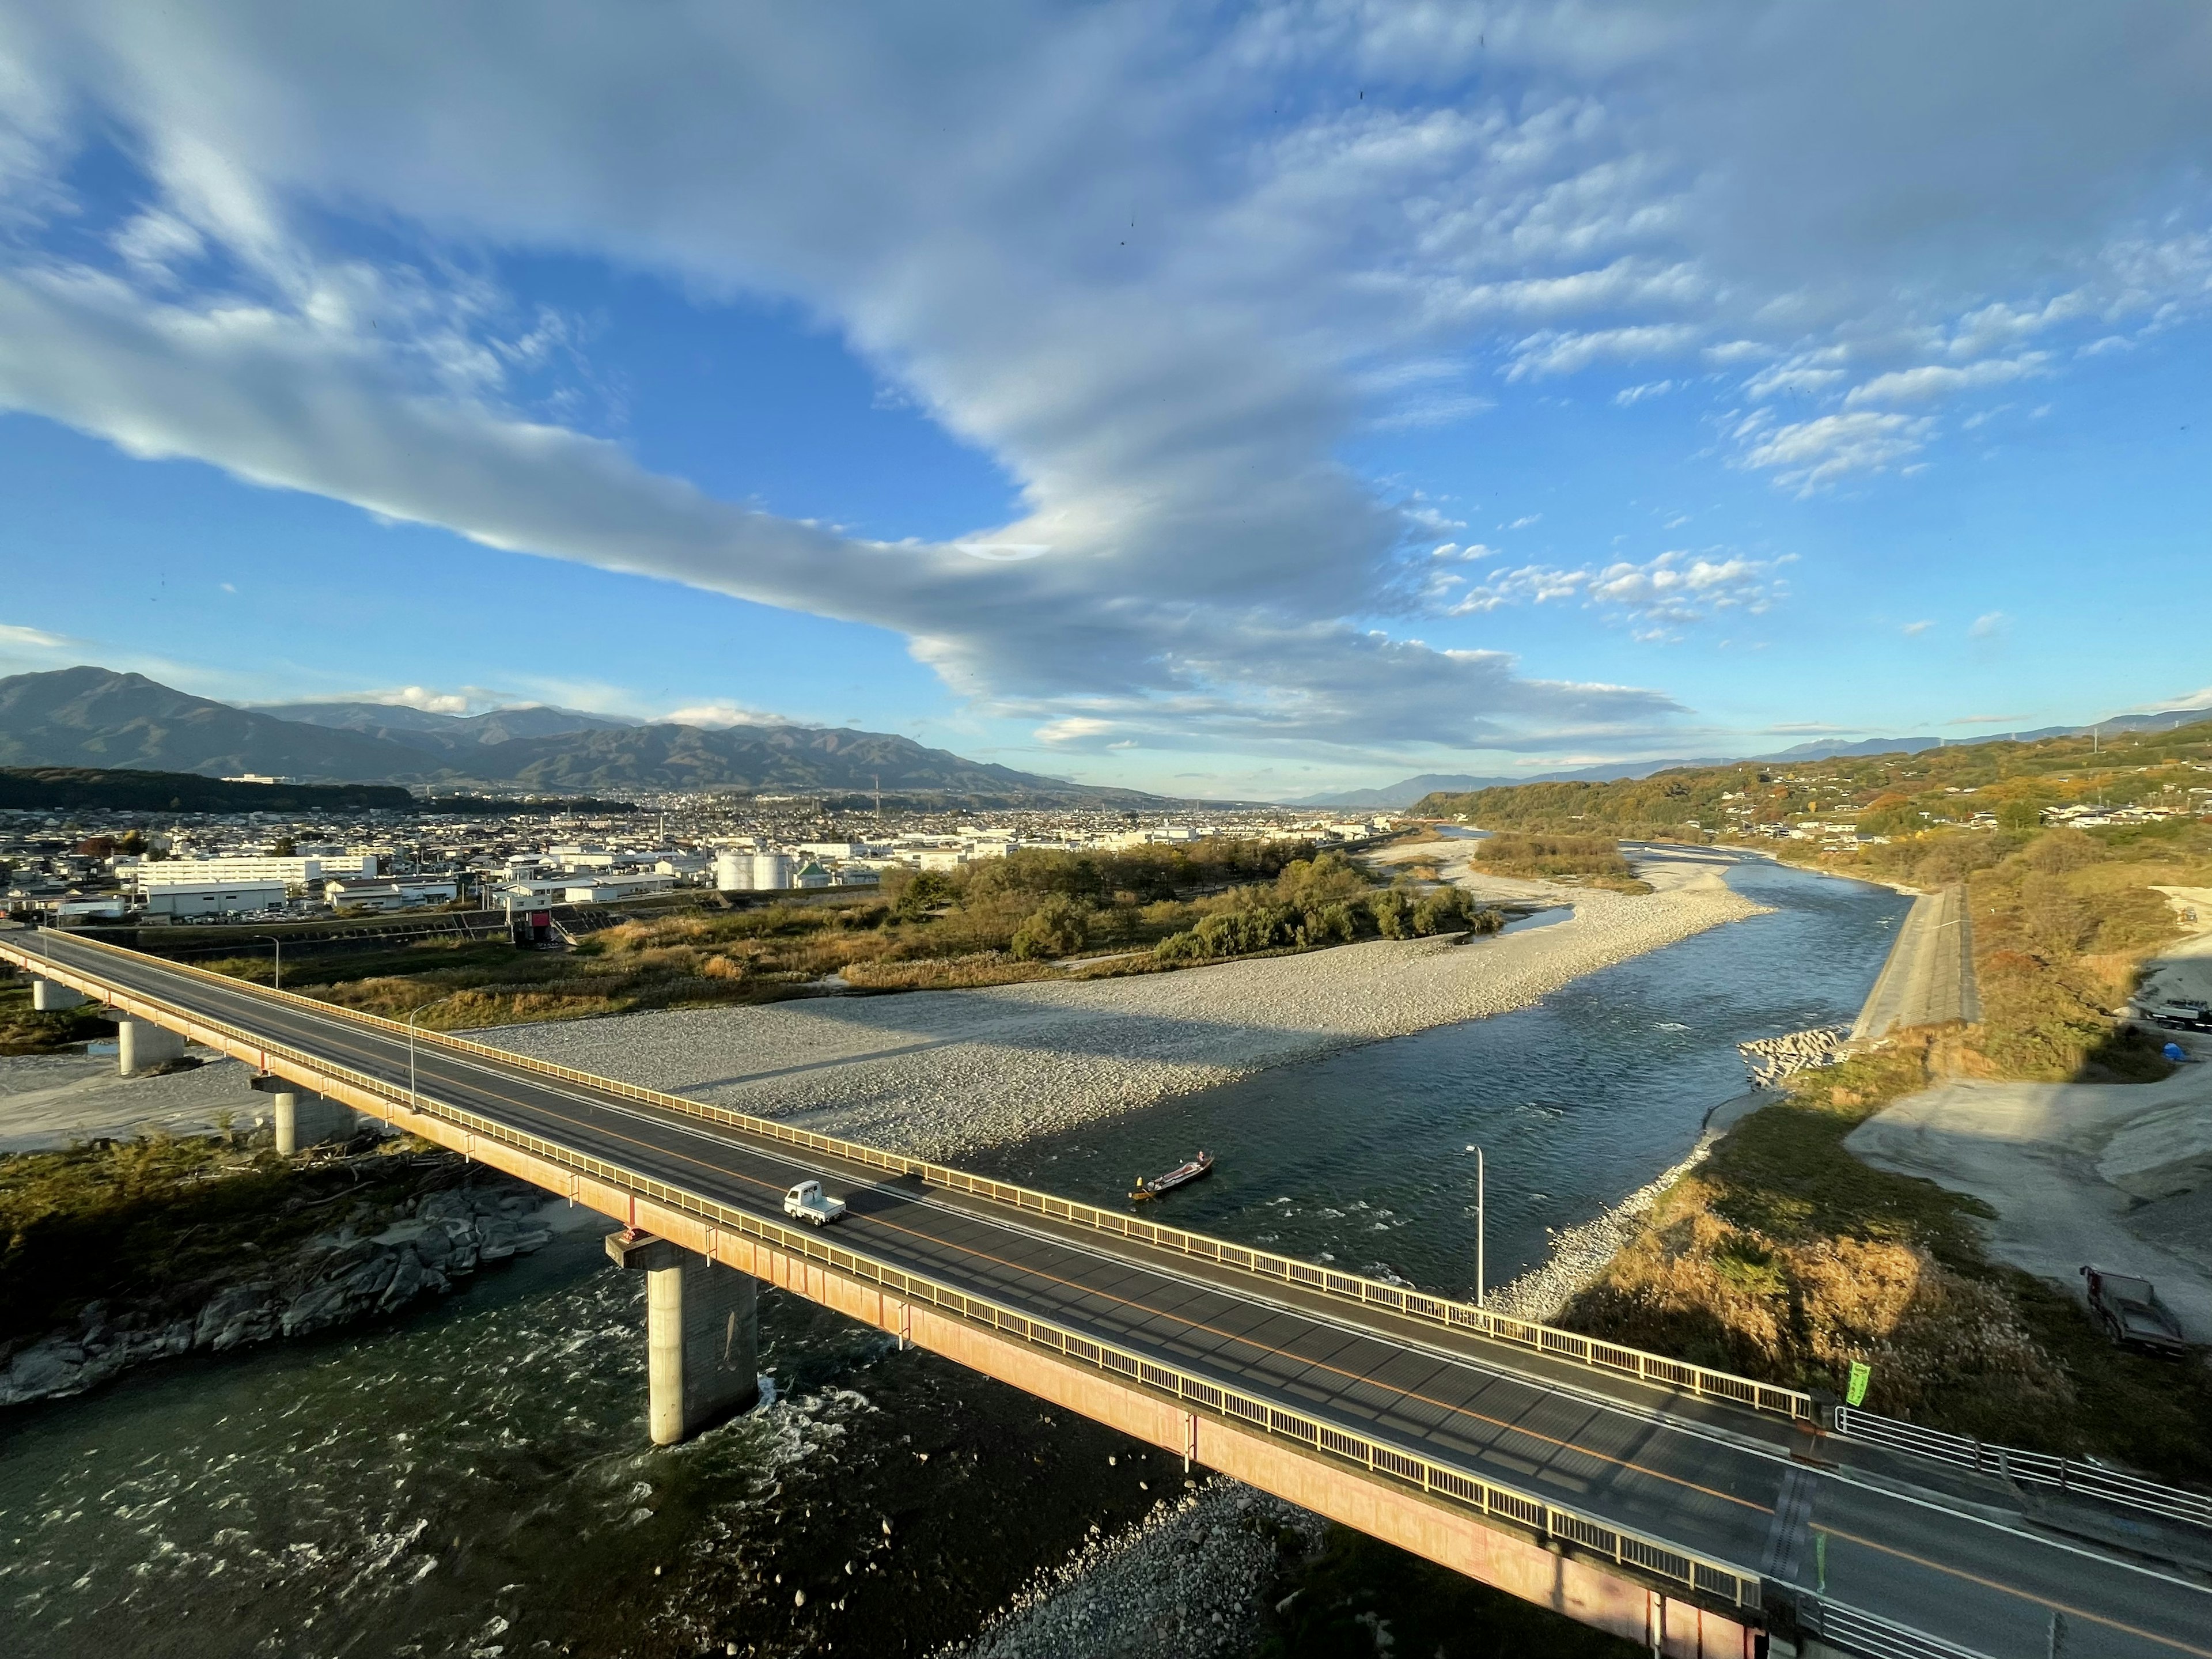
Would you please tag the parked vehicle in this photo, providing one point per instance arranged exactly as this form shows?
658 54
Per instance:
807 1202
2131 1313
2183 1015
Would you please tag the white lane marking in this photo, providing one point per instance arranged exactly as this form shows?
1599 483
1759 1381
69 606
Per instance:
708 1134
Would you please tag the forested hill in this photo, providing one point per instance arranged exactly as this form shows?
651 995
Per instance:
1884 795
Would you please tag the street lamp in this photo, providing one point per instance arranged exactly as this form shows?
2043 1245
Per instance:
414 1095
1481 1231
277 980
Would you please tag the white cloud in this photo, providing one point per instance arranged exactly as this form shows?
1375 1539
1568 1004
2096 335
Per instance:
1628 397
720 714
420 697
1914 629
1989 625
1931 381
14 637
1673 589
1073 728
1807 455
1552 352
1552 189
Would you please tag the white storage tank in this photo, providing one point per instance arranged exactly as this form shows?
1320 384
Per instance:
734 873
772 871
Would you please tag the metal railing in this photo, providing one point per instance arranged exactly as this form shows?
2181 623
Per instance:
1613 1358
1587 1534
2067 1474
1878 1638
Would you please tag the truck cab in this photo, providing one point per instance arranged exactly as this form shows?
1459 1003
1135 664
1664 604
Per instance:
807 1202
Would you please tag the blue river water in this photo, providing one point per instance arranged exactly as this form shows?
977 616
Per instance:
474 1480
1367 1158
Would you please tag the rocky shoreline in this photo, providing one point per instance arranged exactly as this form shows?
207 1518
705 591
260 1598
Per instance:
1580 1254
1187 1579
430 1244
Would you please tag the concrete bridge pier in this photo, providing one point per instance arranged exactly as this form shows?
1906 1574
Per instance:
702 1332
51 997
304 1119
140 1044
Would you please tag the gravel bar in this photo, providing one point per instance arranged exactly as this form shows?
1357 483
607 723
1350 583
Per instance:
941 1073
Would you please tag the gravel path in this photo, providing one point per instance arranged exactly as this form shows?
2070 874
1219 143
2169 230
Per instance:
938 1073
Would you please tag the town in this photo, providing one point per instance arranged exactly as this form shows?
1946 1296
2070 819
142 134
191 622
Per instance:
81 867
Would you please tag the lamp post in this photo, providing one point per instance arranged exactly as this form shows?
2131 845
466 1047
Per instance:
276 981
1481 1231
414 1095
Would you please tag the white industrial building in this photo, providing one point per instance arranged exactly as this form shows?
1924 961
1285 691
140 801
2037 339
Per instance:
605 889
391 892
213 898
289 871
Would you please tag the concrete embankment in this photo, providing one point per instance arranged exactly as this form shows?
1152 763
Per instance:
1929 979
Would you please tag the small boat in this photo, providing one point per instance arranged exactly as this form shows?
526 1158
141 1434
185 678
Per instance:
1173 1179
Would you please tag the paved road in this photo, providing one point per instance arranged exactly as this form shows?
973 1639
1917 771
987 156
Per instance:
1908 1552
1929 978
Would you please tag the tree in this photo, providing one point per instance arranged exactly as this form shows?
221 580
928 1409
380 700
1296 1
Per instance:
1058 927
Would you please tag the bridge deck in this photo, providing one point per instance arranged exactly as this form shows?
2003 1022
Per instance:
1719 1484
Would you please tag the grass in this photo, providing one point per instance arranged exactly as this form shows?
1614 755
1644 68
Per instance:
1784 1257
25 1031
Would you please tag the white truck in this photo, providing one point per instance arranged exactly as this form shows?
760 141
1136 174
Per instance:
808 1202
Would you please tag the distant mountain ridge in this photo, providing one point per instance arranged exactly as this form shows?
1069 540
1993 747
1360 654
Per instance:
418 728
1397 797
96 717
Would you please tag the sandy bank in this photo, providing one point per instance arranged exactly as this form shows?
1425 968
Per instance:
941 1072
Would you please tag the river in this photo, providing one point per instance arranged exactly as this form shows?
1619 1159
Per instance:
473 1480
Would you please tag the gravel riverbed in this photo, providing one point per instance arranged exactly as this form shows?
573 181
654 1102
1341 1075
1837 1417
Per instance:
940 1073
1186 1580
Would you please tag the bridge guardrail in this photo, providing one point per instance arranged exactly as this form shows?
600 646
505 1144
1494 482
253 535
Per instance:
1879 1638
1587 1533
1613 1358
2067 1474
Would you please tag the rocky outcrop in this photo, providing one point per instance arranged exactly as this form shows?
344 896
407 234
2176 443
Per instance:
331 1280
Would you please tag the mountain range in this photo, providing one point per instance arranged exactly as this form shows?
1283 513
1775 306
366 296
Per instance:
1397 797
96 717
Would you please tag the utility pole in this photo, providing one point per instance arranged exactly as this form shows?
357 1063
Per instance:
1481 1233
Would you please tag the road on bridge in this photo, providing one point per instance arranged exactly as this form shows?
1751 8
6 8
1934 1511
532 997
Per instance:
1909 1552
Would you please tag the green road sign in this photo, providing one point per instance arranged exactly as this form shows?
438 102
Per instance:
1862 1373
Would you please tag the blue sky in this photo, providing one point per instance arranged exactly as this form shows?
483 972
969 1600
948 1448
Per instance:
1231 400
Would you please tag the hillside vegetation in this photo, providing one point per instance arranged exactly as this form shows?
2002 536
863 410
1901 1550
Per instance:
1898 793
1784 1257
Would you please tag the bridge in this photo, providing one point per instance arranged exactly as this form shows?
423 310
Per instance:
1697 1513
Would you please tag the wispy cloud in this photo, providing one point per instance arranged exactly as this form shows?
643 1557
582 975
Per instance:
1914 629
1673 588
1568 191
1809 455
1989 625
